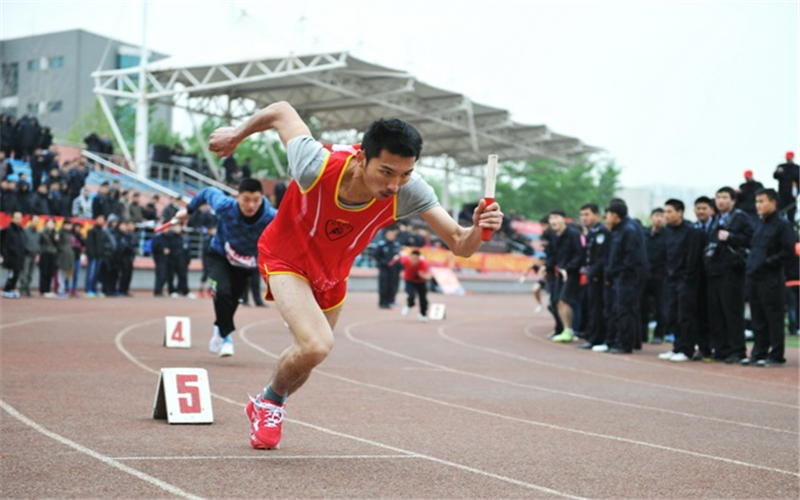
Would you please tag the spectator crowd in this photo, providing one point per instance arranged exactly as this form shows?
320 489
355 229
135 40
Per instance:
610 277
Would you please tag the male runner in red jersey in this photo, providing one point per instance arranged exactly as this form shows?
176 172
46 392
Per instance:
336 202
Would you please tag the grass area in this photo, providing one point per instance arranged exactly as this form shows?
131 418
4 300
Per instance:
793 341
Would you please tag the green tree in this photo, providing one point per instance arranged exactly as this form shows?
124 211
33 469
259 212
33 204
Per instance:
536 187
94 120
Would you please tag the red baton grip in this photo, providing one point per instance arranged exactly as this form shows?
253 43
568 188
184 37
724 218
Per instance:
486 234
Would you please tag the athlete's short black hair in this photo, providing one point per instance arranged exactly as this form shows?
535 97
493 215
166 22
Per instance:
393 135
618 207
657 210
592 207
676 204
705 199
729 190
251 186
770 193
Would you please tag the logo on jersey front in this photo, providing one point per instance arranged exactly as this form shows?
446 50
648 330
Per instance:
337 229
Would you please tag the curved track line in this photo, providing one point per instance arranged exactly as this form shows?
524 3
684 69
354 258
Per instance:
543 489
98 456
442 334
673 366
557 391
531 422
39 320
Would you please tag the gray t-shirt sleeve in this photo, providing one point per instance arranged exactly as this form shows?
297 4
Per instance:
306 157
415 197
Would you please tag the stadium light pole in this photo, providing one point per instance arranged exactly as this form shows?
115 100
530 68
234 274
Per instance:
140 150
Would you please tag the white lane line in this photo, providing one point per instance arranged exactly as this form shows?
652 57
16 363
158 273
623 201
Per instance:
527 332
98 456
441 332
272 457
682 367
411 454
531 422
595 399
39 320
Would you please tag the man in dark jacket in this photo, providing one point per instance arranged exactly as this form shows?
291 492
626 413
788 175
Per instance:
652 304
772 247
746 198
40 205
387 255
597 242
724 261
32 250
626 265
683 244
13 251
569 259
788 177
95 253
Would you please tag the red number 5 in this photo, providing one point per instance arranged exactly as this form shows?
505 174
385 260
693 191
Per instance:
190 403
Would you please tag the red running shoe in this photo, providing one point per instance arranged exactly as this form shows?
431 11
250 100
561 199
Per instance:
266 419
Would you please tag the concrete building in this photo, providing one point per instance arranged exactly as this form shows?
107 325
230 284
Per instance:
49 76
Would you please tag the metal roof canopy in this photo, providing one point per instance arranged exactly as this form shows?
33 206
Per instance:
342 92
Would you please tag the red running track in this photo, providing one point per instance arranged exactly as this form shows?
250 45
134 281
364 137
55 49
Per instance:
480 405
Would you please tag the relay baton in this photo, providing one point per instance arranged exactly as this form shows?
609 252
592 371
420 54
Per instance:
165 226
491 176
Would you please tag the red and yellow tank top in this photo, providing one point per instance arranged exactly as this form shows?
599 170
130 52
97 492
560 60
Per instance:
314 236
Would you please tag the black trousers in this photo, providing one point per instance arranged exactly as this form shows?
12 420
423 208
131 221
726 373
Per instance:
682 316
161 274
125 275
227 285
14 270
609 314
595 316
554 291
653 307
726 306
47 268
421 289
388 281
702 315
253 287
766 310
626 312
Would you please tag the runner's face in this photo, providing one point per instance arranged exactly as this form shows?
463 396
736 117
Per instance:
385 174
249 202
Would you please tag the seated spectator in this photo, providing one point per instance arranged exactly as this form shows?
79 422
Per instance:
39 201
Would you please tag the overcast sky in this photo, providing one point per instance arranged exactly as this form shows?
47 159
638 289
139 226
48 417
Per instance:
689 94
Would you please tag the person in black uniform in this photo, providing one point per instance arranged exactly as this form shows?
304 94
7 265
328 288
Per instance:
728 242
626 257
704 210
788 176
549 237
683 244
597 241
772 247
746 197
387 254
653 294
569 259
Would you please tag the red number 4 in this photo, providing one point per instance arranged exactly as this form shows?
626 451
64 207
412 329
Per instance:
190 403
177 333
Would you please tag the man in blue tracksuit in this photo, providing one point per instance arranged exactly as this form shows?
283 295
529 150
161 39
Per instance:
232 255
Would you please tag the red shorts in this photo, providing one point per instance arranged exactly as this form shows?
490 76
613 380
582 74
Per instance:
331 298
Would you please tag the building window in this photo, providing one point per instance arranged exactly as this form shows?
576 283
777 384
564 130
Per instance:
54 106
10 79
33 108
33 65
57 62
